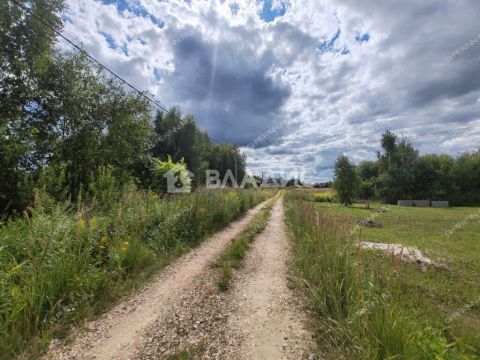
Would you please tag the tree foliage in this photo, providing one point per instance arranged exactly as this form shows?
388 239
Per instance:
400 173
346 180
64 122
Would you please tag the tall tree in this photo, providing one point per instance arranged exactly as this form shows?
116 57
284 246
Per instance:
24 139
434 177
346 180
397 164
228 158
467 177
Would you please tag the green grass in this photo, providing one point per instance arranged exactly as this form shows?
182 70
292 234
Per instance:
65 264
370 306
426 229
183 355
234 254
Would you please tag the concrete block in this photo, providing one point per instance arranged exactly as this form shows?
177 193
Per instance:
421 203
440 204
405 202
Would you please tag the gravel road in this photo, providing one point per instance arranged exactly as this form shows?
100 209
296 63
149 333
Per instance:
115 335
267 313
182 311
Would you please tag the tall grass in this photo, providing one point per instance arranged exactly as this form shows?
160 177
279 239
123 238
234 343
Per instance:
63 264
354 310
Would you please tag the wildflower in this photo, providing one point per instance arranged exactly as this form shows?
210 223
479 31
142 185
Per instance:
103 241
93 223
80 225
124 247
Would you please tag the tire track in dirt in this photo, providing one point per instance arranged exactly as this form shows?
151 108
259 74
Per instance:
116 334
267 313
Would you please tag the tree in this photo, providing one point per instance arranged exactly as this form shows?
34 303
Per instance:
396 179
389 144
467 177
367 191
181 139
227 157
368 170
98 124
24 140
346 180
434 177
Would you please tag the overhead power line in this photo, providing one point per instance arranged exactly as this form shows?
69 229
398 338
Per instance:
58 33
154 101
96 61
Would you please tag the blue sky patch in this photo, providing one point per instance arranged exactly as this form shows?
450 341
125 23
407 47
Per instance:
157 74
269 13
135 8
361 38
109 39
66 18
329 45
234 8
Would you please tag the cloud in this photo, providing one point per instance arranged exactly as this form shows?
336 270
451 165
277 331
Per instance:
233 98
335 74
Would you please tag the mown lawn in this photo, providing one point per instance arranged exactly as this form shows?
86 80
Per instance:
445 297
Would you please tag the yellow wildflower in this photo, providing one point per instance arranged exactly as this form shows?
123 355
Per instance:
80 225
103 241
93 223
124 247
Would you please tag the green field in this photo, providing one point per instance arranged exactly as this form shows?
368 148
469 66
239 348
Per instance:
442 304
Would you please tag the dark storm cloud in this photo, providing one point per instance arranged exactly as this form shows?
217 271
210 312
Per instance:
231 93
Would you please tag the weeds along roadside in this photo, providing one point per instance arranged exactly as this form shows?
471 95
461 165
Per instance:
234 254
355 313
61 266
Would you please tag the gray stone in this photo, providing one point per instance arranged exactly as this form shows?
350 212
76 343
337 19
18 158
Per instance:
421 203
440 204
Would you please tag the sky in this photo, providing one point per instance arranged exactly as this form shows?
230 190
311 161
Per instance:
297 83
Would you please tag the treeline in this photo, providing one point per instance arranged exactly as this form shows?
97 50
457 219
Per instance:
70 129
400 173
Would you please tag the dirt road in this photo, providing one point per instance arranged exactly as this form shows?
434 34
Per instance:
267 312
183 315
114 335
